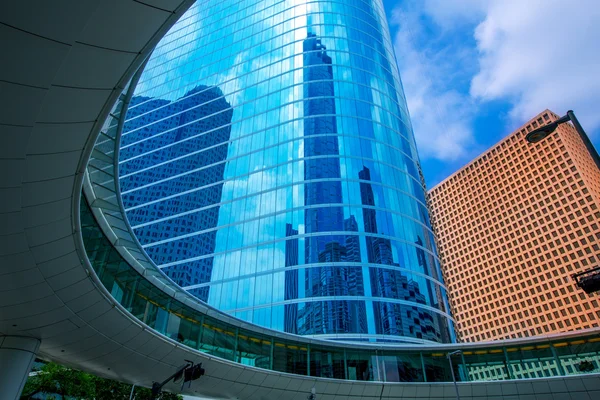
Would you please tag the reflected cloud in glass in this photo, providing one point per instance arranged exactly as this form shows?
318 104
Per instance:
268 167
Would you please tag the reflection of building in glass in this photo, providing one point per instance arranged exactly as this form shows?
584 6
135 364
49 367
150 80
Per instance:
310 217
323 187
321 150
191 133
391 318
535 367
291 280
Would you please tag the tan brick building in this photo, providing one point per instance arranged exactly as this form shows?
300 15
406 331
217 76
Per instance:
512 226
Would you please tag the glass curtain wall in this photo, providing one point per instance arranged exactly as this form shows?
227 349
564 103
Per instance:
268 167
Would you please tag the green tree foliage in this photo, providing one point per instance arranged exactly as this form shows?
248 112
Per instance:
58 382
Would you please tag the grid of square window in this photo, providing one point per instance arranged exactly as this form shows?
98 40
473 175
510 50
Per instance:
512 227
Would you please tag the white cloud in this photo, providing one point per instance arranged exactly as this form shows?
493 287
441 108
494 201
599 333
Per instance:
541 54
533 55
451 14
180 40
441 114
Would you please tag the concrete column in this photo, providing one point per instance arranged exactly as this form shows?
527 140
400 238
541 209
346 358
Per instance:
16 356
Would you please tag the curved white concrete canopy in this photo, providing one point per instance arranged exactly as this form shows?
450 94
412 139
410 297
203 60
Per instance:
64 63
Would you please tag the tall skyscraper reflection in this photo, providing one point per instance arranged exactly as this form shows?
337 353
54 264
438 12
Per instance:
323 187
291 280
321 150
393 318
192 133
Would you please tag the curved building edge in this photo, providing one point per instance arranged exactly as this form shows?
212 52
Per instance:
269 168
47 293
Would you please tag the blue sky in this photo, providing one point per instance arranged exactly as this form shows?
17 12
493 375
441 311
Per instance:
475 70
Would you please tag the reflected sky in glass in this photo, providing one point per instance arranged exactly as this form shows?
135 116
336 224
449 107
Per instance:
268 166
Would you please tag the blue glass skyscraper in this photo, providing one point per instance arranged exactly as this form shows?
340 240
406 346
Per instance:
268 167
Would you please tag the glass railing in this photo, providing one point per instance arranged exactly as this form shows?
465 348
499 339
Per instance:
214 333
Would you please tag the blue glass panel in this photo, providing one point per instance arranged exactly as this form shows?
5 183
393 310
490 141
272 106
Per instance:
267 165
